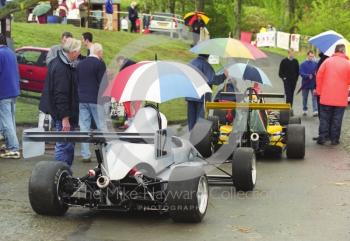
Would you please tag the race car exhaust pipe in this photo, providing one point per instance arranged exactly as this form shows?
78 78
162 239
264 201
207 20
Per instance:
254 137
103 182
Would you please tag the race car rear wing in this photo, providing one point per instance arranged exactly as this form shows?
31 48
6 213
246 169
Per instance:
262 95
34 135
245 105
34 139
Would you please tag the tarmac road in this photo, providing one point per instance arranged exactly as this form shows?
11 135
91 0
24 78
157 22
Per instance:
304 200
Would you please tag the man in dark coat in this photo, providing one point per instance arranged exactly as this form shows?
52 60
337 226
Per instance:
195 107
133 16
60 97
289 73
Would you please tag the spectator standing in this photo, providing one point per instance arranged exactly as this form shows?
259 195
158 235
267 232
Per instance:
63 11
90 72
333 80
130 107
9 81
109 13
54 49
323 57
195 107
133 16
197 25
83 10
87 39
308 74
124 24
289 73
60 96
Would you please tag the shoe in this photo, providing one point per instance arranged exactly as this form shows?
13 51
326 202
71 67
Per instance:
2 137
320 142
334 143
315 114
11 155
304 113
3 148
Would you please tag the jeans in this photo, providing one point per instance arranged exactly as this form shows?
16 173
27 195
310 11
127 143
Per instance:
289 88
64 151
8 123
331 118
305 99
195 110
87 111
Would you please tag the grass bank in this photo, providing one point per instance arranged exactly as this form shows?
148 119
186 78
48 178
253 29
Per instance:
134 46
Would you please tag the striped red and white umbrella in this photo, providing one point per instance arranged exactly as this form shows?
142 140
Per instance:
157 81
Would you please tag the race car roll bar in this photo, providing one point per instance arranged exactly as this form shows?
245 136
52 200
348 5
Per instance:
250 106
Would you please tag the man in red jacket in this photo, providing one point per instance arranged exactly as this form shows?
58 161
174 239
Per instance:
333 80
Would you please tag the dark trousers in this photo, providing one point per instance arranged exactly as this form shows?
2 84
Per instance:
195 111
318 105
331 118
133 28
289 88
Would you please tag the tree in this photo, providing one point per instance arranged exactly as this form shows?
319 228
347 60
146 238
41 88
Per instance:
15 6
237 13
172 5
200 5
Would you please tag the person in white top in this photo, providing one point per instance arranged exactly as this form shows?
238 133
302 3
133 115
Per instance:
124 24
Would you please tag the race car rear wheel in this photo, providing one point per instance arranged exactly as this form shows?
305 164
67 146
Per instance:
295 120
296 141
244 169
187 194
45 188
202 136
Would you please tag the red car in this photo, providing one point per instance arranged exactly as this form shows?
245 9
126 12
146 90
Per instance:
32 67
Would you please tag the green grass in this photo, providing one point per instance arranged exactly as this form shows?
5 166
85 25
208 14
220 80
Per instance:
134 46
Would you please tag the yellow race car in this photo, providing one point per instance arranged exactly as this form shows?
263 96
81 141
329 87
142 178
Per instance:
250 127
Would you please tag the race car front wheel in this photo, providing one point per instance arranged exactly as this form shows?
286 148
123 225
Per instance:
244 169
187 194
295 141
45 188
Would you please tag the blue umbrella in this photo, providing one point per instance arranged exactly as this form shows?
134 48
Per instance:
327 41
248 72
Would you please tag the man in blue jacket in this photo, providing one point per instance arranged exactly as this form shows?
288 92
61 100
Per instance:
195 107
90 72
9 82
308 74
109 13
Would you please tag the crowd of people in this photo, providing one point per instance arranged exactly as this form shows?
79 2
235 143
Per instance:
328 83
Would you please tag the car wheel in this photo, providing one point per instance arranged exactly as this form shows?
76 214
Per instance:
188 194
45 188
295 120
284 117
244 169
201 137
296 141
